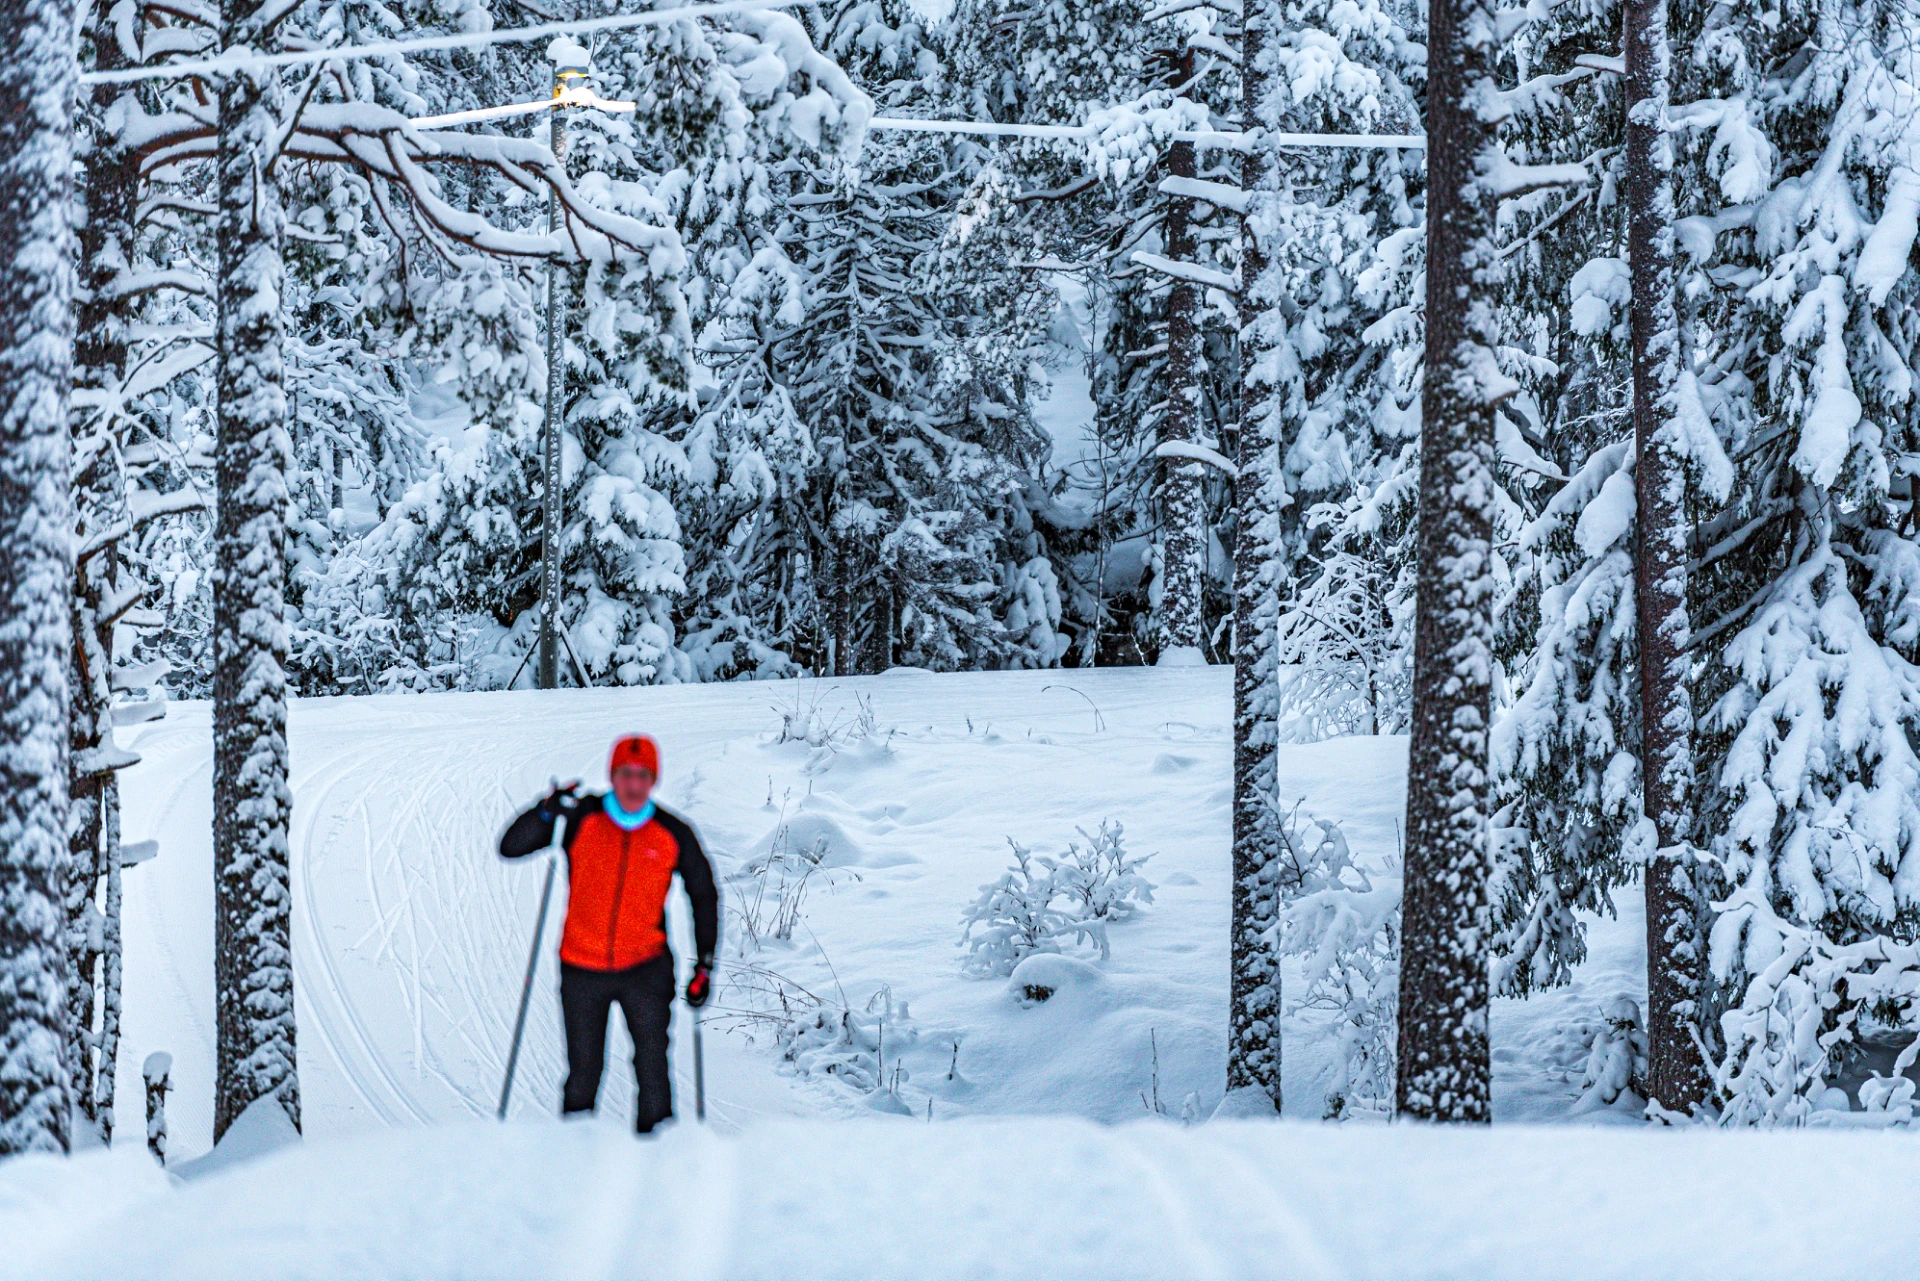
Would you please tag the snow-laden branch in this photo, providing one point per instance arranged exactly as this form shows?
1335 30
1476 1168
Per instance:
1212 278
1216 193
1214 139
1195 453
1504 179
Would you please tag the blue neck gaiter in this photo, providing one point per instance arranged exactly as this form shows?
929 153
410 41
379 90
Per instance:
627 822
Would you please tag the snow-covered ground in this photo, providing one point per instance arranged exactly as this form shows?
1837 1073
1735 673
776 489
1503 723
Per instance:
410 938
981 1199
411 935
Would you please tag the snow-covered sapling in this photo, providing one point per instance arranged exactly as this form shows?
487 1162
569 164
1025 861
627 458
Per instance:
1616 1055
1346 926
1012 917
1040 902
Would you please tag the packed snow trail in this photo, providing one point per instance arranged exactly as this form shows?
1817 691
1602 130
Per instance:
410 935
1047 1197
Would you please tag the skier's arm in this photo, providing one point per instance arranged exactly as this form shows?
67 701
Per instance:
696 877
533 830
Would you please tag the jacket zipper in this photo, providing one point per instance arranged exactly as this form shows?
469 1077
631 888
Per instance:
619 889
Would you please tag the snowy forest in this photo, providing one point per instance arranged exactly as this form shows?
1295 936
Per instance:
1529 389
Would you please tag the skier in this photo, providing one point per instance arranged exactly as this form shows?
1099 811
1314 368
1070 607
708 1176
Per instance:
622 851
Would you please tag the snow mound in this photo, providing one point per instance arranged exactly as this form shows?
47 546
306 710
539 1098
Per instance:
1040 976
261 1129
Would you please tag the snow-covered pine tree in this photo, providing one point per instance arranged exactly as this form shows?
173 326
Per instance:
117 359
1798 145
36 566
1183 543
1253 1001
1329 354
253 960
1443 1066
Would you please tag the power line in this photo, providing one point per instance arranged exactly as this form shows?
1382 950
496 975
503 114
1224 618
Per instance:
239 60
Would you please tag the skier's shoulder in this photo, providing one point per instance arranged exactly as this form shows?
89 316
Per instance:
680 829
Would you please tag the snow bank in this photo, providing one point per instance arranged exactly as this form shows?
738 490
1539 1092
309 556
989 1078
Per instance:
1058 1198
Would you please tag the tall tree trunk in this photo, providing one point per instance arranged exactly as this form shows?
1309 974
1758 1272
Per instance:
1676 953
108 1061
1253 1036
37 88
1182 564
1443 1068
253 967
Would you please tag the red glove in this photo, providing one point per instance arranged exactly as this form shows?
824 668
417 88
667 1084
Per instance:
700 986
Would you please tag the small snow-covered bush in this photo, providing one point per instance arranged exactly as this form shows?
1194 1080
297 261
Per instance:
1616 1056
769 909
863 1047
1100 882
1013 917
1040 903
1346 926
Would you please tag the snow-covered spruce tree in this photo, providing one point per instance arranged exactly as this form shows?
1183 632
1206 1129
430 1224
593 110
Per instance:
1050 62
873 412
1341 360
1565 750
253 961
36 566
1797 200
1587 315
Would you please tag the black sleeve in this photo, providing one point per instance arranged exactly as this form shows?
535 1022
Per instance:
528 834
696 877
533 830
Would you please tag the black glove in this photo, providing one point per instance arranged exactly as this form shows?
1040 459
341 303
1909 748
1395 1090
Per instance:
559 800
700 986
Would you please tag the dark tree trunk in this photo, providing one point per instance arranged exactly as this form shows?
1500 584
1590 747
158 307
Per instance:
1182 565
1443 1067
1676 951
253 966
1253 1037
37 89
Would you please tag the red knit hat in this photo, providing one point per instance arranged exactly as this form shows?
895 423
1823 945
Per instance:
636 749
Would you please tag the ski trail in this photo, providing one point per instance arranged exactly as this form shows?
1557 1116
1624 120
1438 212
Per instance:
329 1002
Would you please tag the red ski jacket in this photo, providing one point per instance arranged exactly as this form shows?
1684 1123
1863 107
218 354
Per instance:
617 881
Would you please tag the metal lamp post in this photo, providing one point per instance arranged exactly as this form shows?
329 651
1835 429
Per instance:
569 72
570 89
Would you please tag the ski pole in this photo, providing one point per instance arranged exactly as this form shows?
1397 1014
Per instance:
699 1074
526 989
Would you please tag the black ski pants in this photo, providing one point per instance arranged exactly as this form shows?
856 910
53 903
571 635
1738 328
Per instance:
645 996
